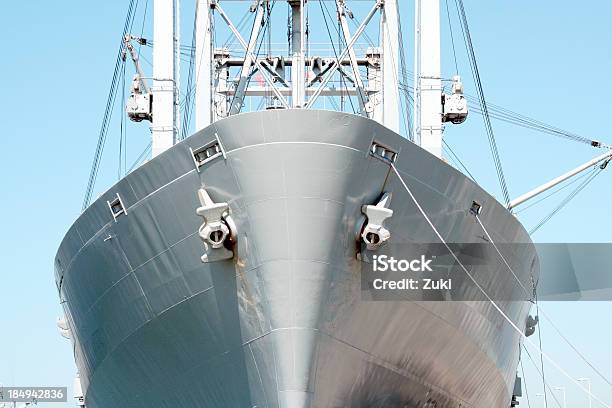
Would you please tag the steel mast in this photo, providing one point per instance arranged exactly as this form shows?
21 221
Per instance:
428 115
298 35
390 65
203 61
432 106
165 70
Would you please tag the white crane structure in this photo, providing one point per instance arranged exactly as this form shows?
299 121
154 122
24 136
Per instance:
296 78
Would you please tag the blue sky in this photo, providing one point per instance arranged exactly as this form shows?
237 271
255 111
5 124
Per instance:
548 60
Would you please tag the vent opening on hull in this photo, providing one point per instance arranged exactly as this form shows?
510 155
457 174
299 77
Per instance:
383 152
207 153
116 207
475 208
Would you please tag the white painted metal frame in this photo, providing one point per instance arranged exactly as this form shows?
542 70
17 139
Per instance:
136 61
203 61
336 64
390 61
262 70
298 78
300 92
245 72
364 102
560 179
415 84
428 106
164 89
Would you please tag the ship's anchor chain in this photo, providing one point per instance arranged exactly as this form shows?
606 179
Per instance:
218 231
373 233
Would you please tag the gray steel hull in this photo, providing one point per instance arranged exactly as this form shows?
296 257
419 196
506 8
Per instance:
283 324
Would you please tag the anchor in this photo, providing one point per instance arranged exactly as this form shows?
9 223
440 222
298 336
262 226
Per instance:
218 230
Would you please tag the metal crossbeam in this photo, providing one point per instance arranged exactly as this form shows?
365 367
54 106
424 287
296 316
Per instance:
264 91
349 46
238 100
252 56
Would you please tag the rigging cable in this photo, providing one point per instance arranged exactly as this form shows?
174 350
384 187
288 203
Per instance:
594 173
597 371
144 18
566 185
402 69
122 137
289 28
404 74
541 357
445 143
483 104
450 29
252 71
481 289
110 102
266 29
526 391
231 39
459 160
544 382
340 42
450 160
331 41
268 35
540 311
506 115
190 87
140 157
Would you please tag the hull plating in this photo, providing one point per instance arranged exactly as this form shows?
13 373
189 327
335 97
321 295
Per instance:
283 324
